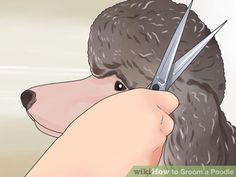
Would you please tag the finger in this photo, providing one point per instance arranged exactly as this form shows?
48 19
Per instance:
167 124
166 101
156 155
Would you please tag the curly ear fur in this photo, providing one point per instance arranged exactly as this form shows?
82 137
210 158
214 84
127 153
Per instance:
129 40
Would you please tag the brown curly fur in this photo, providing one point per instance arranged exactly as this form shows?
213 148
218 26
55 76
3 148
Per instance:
129 40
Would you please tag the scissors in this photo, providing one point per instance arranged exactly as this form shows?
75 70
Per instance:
168 72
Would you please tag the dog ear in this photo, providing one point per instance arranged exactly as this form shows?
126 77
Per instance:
199 120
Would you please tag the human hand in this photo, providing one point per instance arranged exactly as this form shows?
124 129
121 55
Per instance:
119 132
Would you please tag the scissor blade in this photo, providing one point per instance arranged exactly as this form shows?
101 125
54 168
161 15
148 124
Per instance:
164 69
179 67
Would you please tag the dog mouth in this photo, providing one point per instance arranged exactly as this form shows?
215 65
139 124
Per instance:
44 129
47 131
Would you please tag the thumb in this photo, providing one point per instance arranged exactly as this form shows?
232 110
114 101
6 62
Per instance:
166 101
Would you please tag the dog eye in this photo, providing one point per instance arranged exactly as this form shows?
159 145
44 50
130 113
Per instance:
119 86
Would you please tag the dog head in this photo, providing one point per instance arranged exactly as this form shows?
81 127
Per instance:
125 47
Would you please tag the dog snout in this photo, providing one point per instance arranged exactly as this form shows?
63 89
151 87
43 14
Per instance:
28 98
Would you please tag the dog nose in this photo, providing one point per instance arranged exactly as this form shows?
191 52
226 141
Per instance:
28 98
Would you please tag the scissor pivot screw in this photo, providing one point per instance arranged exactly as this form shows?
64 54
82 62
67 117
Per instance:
155 87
